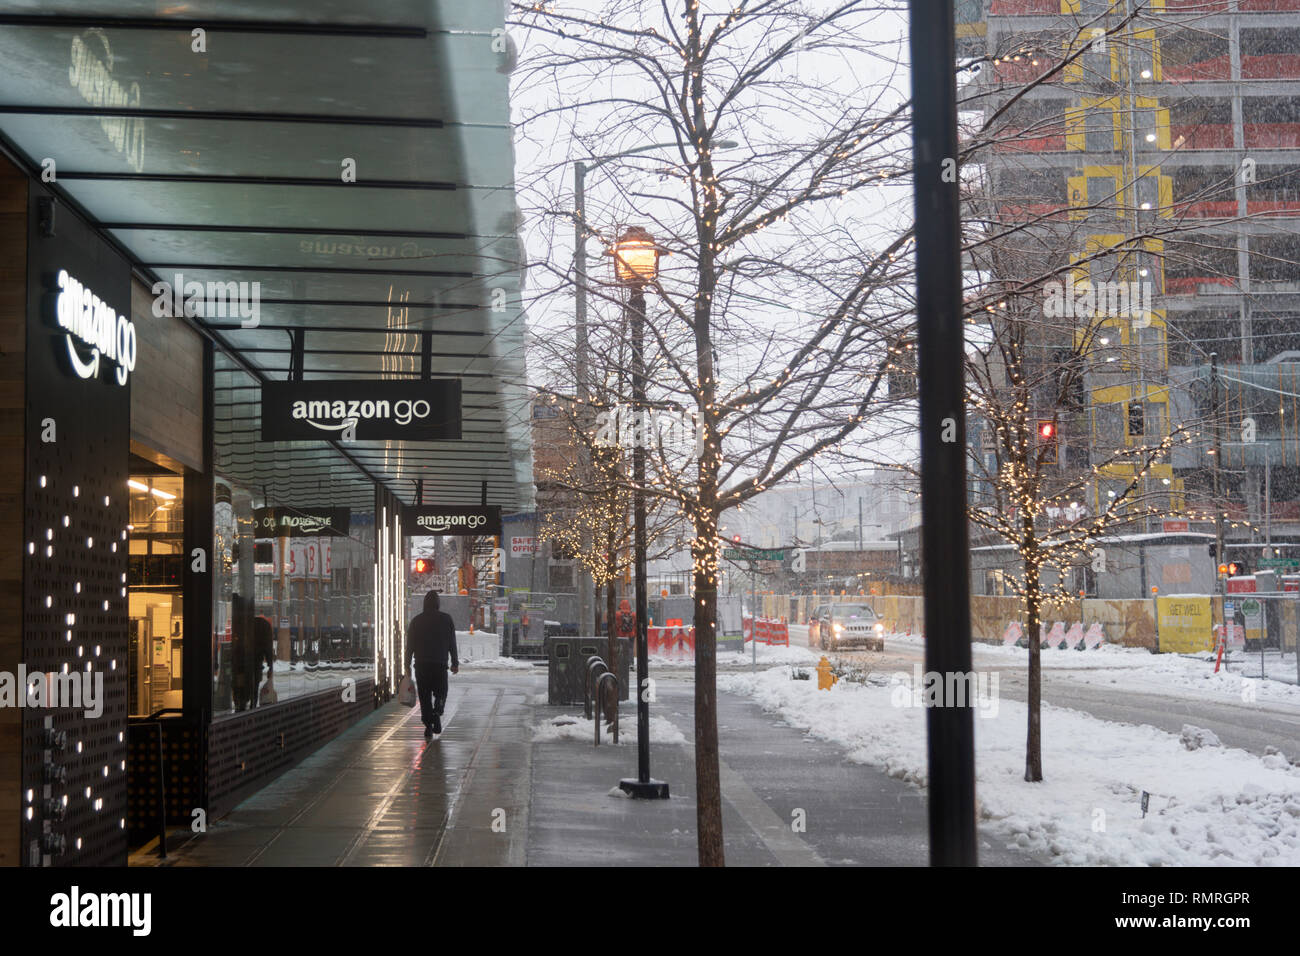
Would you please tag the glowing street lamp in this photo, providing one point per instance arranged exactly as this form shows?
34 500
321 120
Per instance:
636 265
636 258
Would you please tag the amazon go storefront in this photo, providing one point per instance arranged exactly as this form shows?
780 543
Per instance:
181 600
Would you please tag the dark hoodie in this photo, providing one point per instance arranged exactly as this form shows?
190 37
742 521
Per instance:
431 637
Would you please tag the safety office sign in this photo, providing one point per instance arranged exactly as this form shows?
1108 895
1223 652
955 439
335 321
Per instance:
451 519
361 410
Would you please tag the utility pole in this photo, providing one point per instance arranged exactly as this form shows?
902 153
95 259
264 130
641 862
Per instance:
586 588
941 363
1218 453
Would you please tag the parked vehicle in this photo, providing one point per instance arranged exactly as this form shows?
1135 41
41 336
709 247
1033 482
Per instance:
844 626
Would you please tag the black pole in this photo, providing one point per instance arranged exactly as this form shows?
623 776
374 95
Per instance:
941 356
643 786
636 302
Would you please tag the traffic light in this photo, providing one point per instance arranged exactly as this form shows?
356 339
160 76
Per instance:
1047 441
422 566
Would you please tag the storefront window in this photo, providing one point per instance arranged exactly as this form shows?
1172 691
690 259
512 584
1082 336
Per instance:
157 628
294 560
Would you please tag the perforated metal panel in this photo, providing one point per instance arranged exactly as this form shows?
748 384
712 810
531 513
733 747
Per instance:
75 563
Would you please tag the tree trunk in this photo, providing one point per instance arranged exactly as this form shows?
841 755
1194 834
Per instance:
708 787
1033 742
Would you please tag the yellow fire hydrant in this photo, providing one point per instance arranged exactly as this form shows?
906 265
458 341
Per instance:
825 679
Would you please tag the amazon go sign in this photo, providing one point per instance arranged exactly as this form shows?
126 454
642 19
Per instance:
89 322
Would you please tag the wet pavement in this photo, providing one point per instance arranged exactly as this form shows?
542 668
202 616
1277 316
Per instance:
486 794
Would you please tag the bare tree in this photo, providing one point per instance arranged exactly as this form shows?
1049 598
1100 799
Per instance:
1072 224
770 318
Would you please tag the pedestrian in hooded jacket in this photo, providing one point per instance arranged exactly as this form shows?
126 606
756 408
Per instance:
430 642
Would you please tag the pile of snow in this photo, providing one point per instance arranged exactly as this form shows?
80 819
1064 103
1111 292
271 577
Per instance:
1138 669
768 656
577 727
1194 738
1213 805
496 663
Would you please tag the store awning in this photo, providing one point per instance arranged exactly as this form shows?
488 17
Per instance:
229 164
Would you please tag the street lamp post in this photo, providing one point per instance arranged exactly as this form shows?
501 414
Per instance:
586 592
636 263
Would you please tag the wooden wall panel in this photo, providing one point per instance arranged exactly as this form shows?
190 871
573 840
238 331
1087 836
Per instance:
13 331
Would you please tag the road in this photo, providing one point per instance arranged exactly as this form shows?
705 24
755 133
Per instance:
1249 726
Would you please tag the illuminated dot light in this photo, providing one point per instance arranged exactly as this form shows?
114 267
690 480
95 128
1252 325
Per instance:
78 587
76 491
49 550
49 534
42 481
66 521
78 843
90 542
105 501
31 547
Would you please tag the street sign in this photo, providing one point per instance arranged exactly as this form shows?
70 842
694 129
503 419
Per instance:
1250 607
1175 525
752 554
1279 562
548 603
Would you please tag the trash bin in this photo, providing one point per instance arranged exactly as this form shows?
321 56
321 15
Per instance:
566 659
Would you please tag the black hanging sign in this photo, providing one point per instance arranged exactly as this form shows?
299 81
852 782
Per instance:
300 522
451 519
426 410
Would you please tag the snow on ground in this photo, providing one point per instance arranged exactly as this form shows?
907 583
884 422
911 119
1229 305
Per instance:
1135 668
767 655
577 727
496 663
1209 806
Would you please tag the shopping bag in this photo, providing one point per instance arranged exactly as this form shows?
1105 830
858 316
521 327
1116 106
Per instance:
406 692
268 694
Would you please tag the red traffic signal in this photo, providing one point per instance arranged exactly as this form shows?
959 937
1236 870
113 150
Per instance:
423 566
1047 440
1234 569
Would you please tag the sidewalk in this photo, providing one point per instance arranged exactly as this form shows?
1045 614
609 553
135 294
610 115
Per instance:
485 794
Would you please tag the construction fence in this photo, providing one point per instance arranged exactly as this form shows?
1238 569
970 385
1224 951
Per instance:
1174 623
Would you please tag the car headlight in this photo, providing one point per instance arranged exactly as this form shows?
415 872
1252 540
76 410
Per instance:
880 628
837 628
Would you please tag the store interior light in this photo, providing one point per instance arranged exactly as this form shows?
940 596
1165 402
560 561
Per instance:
156 492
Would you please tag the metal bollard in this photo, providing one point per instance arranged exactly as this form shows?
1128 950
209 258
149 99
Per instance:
600 683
